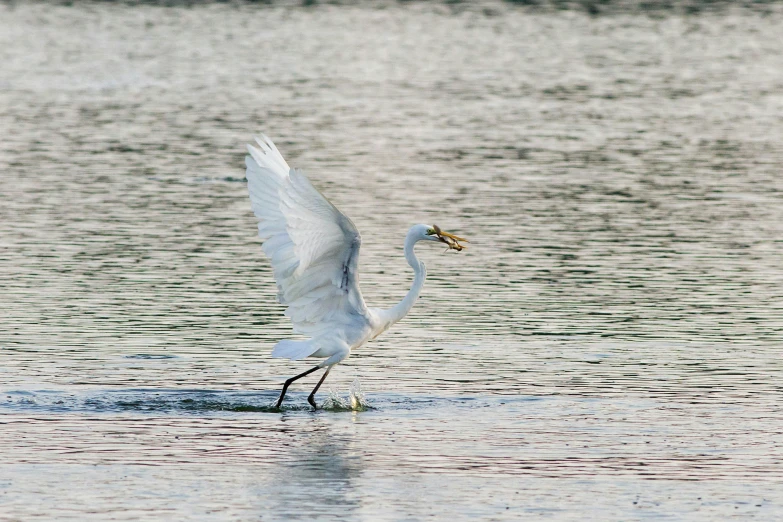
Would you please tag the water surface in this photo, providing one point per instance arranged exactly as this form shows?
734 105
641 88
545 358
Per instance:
608 347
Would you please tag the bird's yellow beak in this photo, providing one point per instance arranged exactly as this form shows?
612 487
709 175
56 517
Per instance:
450 239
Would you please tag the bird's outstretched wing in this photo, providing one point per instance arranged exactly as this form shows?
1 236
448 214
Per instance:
313 247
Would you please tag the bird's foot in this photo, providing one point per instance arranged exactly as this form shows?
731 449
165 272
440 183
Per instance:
311 400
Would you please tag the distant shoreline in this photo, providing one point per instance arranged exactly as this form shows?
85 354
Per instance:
484 7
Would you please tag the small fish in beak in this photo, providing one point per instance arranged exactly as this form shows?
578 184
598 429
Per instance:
450 239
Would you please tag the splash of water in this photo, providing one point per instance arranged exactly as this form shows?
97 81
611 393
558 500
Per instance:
355 401
358 401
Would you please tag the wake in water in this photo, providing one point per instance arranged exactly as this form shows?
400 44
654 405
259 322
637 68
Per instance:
204 402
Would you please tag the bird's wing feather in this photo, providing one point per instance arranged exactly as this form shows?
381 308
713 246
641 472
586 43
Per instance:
314 248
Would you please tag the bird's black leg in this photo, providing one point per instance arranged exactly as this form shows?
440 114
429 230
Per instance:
311 398
292 379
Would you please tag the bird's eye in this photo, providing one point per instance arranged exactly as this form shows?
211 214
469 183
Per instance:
430 231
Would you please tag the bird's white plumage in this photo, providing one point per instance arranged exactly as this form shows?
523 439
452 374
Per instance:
314 250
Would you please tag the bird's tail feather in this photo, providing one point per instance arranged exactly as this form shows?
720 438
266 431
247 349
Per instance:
294 350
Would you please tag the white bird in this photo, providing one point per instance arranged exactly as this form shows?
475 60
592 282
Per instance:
314 251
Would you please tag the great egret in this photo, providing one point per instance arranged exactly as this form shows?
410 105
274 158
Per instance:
314 250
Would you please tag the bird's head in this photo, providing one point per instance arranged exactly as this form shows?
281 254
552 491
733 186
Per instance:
434 233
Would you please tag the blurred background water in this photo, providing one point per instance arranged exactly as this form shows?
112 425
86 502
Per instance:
609 346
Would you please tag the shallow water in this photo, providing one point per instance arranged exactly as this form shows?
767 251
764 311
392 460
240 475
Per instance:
608 347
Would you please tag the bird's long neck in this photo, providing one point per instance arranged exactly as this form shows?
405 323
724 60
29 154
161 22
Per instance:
394 314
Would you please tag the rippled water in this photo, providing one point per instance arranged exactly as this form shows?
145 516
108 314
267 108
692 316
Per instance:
609 346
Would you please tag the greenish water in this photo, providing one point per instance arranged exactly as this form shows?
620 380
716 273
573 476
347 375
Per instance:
608 348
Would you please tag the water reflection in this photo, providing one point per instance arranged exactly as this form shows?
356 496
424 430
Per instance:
320 472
